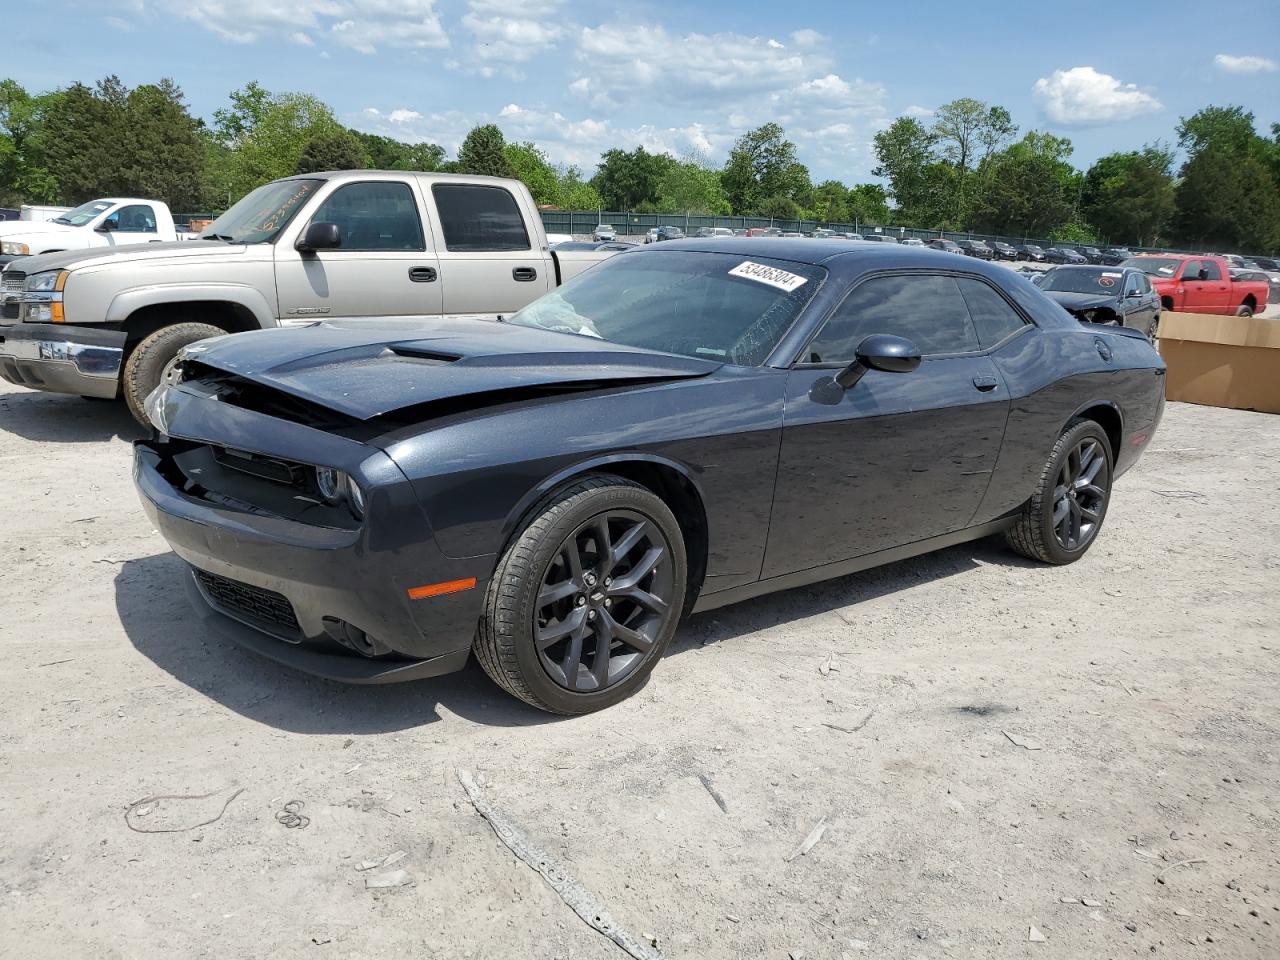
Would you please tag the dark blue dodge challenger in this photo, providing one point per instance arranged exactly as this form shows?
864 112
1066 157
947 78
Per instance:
681 427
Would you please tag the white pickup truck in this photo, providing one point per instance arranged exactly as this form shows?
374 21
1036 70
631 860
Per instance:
351 244
110 222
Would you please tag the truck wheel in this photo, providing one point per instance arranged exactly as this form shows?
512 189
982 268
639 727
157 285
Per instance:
145 365
1244 311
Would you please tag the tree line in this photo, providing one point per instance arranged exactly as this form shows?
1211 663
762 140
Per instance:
966 169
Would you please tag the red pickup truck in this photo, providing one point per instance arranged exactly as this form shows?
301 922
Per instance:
1190 284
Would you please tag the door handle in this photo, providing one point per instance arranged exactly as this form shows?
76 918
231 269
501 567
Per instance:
524 274
422 274
986 384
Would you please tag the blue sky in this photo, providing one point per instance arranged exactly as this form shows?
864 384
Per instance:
686 77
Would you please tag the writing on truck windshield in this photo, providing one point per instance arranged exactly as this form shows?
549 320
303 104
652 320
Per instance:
263 213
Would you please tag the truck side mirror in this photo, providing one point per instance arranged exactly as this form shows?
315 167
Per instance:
106 226
319 236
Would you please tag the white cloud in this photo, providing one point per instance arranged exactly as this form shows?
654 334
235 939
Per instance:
1234 64
806 38
1083 96
363 25
404 116
918 112
503 34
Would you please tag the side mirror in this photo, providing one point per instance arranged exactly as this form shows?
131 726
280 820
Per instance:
880 351
320 236
106 226
1133 294
1203 274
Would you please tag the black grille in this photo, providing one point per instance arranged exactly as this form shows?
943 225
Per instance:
11 284
265 606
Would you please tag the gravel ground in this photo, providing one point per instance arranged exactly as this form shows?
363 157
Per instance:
1141 682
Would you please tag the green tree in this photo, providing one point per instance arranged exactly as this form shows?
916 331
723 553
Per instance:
386 153
576 194
868 203
904 151
966 127
1025 189
1228 197
688 186
164 151
333 150
778 207
831 202
83 144
484 152
264 135
763 165
24 177
626 180
1128 197
529 164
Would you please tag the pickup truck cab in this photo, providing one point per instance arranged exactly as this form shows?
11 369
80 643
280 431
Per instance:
1200 284
110 222
349 244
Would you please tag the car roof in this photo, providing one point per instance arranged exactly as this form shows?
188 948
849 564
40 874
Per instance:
843 256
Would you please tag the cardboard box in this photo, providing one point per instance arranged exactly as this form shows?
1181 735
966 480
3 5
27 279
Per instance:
1222 361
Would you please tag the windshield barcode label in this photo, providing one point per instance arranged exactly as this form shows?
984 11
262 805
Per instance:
750 270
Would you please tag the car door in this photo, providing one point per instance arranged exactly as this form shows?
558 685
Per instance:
899 457
134 223
489 263
1139 302
1209 295
385 264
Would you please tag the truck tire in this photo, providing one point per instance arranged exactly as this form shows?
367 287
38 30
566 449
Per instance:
145 365
1245 310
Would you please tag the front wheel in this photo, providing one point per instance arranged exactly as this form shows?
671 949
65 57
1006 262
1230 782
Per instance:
1153 327
585 600
1244 311
1062 518
144 369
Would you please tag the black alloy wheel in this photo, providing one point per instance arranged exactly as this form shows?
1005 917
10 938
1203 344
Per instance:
1080 495
604 599
1065 511
586 597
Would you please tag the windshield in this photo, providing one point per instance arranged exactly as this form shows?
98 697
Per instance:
1155 266
263 213
1033 248
1083 281
83 213
716 306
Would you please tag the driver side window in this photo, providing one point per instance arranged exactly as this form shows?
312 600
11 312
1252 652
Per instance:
930 311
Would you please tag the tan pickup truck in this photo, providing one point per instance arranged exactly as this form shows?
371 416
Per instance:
352 244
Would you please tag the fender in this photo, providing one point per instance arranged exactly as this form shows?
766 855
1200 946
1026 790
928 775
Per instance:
1099 402
537 493
243 295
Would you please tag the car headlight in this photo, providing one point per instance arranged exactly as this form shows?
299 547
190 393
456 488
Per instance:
336 486
330 483
46 282
42 295
355 498
13 248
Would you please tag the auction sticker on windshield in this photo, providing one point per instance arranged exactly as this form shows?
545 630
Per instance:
774 277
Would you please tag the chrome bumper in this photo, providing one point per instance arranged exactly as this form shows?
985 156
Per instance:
46 357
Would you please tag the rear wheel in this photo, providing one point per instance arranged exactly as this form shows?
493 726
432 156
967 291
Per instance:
1065 513
586 599
1245 310
145 366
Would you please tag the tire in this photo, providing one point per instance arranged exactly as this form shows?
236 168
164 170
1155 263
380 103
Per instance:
1153 328
144 367
513 641
1037 534
1244 311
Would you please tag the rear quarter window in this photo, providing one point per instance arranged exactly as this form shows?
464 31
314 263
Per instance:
479 219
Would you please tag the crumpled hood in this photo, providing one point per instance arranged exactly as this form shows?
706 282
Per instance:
134 251
1076 302
366 368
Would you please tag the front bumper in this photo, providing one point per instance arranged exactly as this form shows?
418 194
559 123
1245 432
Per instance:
61 359
326 581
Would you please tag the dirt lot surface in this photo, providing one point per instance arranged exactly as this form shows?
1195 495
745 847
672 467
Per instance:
1143 684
